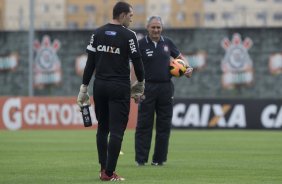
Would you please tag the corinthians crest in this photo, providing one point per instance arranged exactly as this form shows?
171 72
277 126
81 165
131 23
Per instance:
237 66
47 66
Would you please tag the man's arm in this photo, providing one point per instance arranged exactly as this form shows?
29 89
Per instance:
138 68
184 59
89 68
83 96
189 71
137 88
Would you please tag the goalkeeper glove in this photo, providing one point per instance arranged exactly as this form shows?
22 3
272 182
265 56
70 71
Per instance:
83 96
137 91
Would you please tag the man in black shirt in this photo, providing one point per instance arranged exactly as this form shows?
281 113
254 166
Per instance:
111 46
156 51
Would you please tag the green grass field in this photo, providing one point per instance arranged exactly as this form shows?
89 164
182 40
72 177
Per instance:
195 156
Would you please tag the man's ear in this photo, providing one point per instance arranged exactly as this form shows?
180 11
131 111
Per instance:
122 15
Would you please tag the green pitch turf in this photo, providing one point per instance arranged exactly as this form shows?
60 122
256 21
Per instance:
195 157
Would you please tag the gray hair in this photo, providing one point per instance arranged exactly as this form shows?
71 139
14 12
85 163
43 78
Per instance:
154 17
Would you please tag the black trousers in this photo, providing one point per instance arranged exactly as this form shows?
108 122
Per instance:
112 103
159 99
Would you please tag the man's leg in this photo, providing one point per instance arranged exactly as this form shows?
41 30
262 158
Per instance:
102 115
163 123
119 106
144 128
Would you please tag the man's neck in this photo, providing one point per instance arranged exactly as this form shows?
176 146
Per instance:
115 21
155 39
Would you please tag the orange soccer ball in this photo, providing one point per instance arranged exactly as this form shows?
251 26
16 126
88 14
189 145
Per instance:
177 67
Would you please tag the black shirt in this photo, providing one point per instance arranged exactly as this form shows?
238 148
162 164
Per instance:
110 48
156 58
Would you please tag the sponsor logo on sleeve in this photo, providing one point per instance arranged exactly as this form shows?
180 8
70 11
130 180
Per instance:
132 46
90 45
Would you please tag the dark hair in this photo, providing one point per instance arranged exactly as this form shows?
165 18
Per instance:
121 7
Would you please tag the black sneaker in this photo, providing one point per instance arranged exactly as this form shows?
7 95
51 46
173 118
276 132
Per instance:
157 163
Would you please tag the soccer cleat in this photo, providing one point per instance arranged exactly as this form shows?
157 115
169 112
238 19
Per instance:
100 173
157 164
114 177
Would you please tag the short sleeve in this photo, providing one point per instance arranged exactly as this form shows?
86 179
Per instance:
174 52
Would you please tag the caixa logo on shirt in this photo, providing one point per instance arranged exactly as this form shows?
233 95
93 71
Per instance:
110 49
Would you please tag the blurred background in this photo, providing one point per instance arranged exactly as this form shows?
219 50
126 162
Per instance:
234 46
89 14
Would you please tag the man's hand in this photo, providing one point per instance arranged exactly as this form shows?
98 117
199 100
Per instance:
137 91
138 98
83 96
189 71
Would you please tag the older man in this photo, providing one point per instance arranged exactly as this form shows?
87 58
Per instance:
156 51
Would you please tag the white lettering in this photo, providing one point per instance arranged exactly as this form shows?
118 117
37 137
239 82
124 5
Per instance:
42 116
271 117
205 115
66 114
29 114
192 116
77 115
117 51
104 48
218 111
53 109
15 115
178 109
132 46
237 117
267 118
12 107
210 115
278 122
